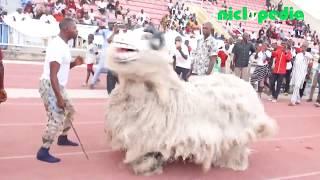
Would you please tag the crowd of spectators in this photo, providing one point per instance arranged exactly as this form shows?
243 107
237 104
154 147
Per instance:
88 12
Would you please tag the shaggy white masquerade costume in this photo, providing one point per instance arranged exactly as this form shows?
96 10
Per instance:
156 118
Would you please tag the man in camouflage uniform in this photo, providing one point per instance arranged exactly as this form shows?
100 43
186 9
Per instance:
52 90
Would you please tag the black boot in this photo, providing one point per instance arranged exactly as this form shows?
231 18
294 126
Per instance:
64 141
43 155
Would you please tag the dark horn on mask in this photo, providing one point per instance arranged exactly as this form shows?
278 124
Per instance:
157 40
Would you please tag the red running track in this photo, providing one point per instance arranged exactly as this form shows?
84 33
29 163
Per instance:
27 76
292 154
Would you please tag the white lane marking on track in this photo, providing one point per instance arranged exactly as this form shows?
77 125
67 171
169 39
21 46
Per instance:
43 124
102 122
296 116
16 93
291 138
41 104
296 176
58 154
40 63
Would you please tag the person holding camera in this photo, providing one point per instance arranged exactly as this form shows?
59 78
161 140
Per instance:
181 63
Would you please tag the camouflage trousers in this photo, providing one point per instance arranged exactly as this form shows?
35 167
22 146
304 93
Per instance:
59 120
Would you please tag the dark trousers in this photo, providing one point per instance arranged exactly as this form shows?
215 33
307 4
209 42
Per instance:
183 71
112 80
301 91
276 78
318 98
288 78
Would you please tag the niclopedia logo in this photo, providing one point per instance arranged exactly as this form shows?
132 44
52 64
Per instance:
263 15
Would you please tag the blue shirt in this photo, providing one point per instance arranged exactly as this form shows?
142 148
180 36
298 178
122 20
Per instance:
105 34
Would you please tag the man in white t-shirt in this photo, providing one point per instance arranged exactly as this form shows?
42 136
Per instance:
52 90
47 17
91 56
187 12
182 63
170 5
101 4
142 17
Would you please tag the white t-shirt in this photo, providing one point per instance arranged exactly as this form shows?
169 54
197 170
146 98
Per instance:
18 17
87 21
179 16
92 15
230 49
142 16
180 61
254 35
47 18
58 8
101 5
91 54
262 56
187 12
174 9
58 51
277 28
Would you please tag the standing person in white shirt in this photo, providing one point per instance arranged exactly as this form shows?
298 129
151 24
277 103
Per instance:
262 70
299 72
91 55
170 5
92 15
187 12
47 17
289 69
181 63
18 16
58 7
229 46
101 4
53 81
142 17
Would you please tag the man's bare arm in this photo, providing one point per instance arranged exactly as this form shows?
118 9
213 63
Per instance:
54 69
211 64
77 62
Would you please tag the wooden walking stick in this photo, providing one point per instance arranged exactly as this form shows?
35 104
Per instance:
75 132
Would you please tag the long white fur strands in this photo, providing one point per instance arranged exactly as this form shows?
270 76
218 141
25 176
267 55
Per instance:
156 118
